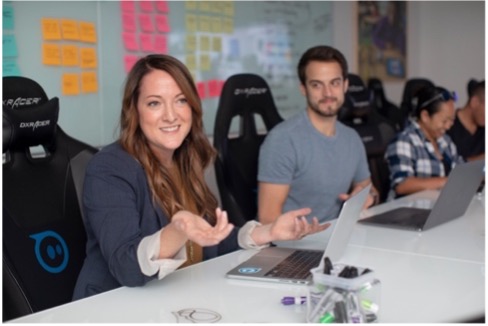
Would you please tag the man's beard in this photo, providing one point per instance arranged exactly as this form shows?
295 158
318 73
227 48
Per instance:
330 111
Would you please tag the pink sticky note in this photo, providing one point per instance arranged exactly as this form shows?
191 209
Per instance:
162 6
213 88
130 41
146 42
129 23
201 90
146 6
162 24
161 44
129 61
146 23
127 6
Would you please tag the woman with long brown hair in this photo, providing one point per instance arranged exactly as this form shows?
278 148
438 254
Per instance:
148 210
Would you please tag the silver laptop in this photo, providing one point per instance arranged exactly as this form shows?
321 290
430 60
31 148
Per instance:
453 201
290 265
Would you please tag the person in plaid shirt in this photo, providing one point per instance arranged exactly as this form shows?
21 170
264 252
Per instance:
422 155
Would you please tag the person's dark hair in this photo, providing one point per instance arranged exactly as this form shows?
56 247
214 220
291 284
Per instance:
322 53
429 99
476 88
191 158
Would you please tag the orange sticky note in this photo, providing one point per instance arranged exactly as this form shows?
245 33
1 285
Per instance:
129 22
51 54
88 32
50 29
160 44
69 28
89 83
88 58
70 84
69 55
146 23
146 42
162 23
130 41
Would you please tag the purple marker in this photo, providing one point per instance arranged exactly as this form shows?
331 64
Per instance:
293 300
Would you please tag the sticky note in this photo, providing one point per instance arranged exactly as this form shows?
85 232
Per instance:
201 90
129 22
146 24
204 24
9 46
51 54
146 42
204 43
217 44
129 61
130 41
69 55
191 62
89 83
146 5
191 23
7 17
88 58
191 43
162 24
160 44
50 29
69 29
88 32
204 62
70 84
191 5
127 6
162 6
10 68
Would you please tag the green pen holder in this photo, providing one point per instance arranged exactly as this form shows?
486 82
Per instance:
336 299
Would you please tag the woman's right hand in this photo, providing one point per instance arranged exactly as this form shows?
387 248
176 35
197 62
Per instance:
198 230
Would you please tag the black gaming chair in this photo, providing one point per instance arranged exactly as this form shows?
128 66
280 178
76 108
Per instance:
376 132
382 105
243 96
43 234
409 101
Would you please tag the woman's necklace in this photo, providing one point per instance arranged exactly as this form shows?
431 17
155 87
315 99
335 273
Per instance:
191 251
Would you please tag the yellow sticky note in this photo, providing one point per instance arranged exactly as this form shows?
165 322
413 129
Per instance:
217 44
89 83
205 62
88 57
51 54
88 32
191 23
70 84
228 25
216 24
204 43
191 62
204 24
191 43
69 55
69 28
50 29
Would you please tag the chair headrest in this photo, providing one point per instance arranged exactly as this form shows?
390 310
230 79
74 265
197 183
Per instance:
358 100
29 118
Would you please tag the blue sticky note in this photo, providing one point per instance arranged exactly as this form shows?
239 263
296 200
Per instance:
9 46
8 17
10 68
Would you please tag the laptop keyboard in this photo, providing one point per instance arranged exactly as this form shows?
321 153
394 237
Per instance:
297 265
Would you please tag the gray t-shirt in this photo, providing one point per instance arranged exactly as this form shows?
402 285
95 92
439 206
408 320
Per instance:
317 168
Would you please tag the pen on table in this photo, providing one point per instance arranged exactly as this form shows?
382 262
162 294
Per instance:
294 300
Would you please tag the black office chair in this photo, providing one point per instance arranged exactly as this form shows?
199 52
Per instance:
384 106
409 101
43 171
376 132
244 96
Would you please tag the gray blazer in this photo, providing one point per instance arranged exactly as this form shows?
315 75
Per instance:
119 213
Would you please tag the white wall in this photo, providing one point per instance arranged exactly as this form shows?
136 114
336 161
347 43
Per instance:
445 43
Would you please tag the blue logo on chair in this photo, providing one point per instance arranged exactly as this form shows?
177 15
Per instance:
51 251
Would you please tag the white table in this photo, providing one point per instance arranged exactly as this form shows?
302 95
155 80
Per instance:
422 280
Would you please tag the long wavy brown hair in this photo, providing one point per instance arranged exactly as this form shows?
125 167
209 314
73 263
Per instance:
191 158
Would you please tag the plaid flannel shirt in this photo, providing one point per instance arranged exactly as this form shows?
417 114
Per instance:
410 154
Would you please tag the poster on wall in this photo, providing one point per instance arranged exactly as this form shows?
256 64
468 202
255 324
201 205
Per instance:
382 45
